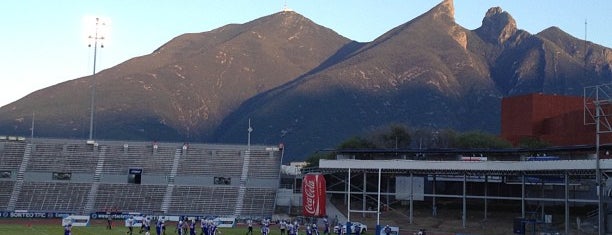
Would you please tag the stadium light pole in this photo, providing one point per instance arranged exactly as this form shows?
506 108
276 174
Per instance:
95 38
249 135
598 176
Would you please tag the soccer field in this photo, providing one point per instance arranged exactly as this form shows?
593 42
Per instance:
24 227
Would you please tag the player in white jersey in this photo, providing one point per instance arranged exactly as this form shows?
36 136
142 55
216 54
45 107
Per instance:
250 227
130 225
146 223
325 226
283 227
291 230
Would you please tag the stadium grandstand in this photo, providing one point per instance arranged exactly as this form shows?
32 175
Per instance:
77 177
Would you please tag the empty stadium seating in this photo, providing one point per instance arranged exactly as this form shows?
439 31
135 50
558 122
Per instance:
38 159
62 157
11 154
259 202
219 200
53 196
5 195
206 161
130 197
259 165
122 157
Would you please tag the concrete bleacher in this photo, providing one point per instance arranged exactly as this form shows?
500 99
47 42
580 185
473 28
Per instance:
61 157
11 154
130 197
207 161
260 162
53 196
219 200
152 161
98 177
196 161
5 194
259 202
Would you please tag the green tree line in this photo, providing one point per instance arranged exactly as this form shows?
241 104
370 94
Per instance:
400 136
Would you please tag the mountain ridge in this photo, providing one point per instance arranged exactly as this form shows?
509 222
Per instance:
307 86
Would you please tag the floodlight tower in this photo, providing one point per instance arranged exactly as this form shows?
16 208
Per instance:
95 38
249 135
597 101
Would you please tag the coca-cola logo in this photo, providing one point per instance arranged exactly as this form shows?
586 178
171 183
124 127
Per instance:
311 205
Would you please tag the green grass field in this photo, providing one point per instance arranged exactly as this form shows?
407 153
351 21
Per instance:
23 227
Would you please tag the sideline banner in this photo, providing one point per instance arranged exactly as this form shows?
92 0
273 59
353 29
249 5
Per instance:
137 221
76 220
225 222
26 214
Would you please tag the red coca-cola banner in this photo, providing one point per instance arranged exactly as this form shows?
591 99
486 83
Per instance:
313 195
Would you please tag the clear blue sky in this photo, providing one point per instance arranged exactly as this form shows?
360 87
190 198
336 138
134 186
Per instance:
44 41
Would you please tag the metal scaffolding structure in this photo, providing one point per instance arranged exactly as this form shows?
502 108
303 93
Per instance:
597 110
483 171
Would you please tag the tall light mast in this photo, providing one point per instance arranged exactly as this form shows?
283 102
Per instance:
97 37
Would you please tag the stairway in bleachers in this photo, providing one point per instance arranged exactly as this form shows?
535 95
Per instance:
19 183
175 165
91 197
243 178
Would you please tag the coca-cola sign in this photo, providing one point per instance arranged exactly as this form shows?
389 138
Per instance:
313 195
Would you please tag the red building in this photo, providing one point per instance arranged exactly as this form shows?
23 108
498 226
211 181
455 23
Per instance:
558 120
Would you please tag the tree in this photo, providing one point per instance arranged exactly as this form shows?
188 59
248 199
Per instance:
313 160
351 143
480 140
356 143
395 136
532 143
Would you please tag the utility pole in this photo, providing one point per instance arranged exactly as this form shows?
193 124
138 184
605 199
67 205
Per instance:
95 38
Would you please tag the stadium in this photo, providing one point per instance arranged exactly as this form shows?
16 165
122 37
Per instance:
48 177
55 178
472 191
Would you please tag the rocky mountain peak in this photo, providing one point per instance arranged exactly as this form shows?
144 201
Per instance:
497 26
445 9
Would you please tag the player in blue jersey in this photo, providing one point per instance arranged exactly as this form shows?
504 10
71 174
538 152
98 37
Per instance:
213 229
291 229
179 227
192 227
265 229
158 224
297 227
68 229
387 230
204 226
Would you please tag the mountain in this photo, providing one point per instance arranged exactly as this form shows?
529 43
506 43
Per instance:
302 84
422 73
184 89
429 72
